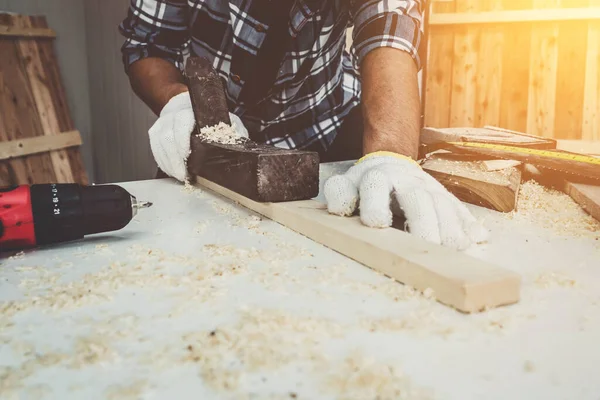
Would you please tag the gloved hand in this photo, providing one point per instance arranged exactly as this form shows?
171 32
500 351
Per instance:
170 135
385 183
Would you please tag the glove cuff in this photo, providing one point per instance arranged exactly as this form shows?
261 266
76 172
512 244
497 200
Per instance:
177 103
387 154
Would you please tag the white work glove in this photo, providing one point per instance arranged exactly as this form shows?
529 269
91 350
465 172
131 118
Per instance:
385 183
170 135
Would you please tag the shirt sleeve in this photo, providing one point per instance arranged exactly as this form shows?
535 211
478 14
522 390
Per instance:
387 23
155 28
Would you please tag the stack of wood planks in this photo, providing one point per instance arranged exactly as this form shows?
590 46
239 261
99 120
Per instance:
38 141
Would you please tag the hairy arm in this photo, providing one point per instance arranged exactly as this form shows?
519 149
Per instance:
391 102
155 81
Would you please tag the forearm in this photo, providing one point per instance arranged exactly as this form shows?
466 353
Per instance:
155 81
390 102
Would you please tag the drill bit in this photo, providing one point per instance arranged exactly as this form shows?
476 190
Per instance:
137 205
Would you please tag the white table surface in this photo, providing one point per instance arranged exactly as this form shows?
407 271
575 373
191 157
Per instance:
197 299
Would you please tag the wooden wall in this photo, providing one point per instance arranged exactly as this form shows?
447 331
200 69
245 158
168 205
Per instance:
70 48
538 77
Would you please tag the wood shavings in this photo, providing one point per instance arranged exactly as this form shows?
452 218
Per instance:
364 378
553 210
220 133
133 390
549 279
528 366
19 256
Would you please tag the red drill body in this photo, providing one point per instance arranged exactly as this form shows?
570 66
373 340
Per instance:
53 213
16 218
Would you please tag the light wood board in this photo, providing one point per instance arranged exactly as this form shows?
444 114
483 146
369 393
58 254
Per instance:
587 196
38 144
472 183
458 280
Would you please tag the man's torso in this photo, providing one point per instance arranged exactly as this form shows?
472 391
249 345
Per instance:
284 64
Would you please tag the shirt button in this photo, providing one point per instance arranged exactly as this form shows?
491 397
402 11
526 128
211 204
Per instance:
235 78
261 28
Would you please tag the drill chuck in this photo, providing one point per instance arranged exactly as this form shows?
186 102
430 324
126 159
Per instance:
55 213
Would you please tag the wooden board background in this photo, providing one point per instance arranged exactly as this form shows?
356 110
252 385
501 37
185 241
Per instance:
33 103
542 78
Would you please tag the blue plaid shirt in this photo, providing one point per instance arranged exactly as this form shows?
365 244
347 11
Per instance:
315 80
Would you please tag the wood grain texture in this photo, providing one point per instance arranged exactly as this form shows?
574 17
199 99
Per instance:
438 85
19 118
572 13
472 183
570 85
59 100
464 75
257 171
543 65
486 134
515 71
587 196
457 280
14 32
576 165
591 102
38 144
489 69
36 74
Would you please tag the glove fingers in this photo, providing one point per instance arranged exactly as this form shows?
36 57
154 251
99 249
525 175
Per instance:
375 189
183 128
341 195
420 213
451 223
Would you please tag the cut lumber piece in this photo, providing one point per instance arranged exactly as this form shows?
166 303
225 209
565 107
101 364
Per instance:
587 196
498 165
473 184
38 144
14 31
488 134
457 279
257 171
590 147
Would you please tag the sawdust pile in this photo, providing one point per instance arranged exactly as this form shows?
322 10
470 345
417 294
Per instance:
553 210
220 133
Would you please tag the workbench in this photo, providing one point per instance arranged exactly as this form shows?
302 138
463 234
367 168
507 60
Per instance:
199 298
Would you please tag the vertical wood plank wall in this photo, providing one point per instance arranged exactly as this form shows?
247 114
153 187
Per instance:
538 77
70 46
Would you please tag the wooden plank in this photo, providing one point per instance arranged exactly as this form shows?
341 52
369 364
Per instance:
570 85
39 144
16 32
578 165
587 196
498 165
38 79
59 99
515 71
489 70
464 77
472 183
440 63
591 102
579 146
257 171
18 117
542 74
493 135
457 280
551 14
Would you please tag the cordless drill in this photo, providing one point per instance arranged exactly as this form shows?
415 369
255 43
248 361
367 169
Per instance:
53 213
